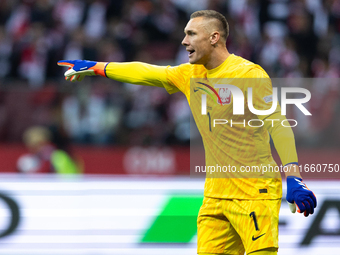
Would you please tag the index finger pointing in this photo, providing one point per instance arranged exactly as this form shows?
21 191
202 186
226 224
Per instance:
69 63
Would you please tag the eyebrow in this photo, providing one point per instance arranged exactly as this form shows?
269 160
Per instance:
187 31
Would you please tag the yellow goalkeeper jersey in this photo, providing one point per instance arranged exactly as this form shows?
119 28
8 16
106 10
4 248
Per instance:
237 145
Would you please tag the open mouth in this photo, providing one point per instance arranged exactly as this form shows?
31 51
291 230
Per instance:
191 52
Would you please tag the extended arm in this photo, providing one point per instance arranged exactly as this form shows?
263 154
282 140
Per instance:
129 72
137 73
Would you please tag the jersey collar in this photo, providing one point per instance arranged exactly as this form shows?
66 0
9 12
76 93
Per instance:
216 70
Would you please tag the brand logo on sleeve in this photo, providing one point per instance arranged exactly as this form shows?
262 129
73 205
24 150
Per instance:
268 99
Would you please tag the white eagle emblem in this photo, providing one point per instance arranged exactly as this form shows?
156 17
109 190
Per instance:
225 95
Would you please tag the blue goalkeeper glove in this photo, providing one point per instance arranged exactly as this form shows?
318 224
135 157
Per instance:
78 69
298 194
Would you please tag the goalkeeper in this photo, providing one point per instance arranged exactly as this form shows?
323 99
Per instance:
238 214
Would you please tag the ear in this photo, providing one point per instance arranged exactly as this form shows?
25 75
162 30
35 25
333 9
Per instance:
214 38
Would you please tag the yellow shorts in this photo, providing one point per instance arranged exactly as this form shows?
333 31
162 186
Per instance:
230 226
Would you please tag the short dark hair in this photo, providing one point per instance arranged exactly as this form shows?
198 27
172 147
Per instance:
210 14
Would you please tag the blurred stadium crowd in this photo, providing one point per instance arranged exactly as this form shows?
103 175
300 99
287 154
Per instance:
298 38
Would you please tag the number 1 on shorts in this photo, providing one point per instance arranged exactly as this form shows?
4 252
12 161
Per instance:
252 214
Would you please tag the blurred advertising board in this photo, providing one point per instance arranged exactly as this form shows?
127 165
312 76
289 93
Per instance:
165 160
115 160
137 215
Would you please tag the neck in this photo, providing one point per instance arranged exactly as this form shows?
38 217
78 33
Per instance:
217 57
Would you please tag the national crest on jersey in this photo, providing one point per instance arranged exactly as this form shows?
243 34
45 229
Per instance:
225 95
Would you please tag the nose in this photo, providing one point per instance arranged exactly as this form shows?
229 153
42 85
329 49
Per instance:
185 41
